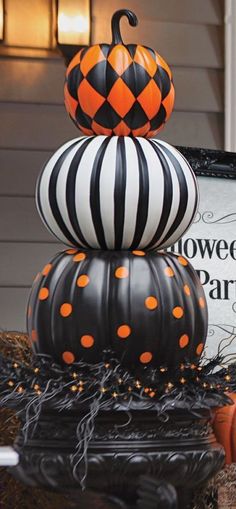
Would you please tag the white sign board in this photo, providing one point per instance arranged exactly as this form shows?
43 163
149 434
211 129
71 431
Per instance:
210 246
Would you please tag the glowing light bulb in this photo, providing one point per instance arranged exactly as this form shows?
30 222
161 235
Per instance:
73 22
77 24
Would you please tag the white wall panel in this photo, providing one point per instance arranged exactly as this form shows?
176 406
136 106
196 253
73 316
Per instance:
179 43
13 303
22 261
209 12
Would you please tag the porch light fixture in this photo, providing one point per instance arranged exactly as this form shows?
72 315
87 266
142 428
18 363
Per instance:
73 26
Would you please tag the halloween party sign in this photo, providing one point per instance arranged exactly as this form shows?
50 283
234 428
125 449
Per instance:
210 245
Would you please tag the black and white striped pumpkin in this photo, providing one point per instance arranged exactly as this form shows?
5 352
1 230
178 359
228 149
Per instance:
147 307
117 193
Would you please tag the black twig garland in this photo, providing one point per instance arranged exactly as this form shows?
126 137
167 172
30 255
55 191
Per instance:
67 387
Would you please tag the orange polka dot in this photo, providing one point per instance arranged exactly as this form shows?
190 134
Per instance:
83 281
34 335
145 357
139 253
183 341
187 290
87 341
46 269
29 311
151 302
123 331
79 257
178 312
121 272
199 349
65 309
68 357
169 272
71 251
182 260
43 293
201 302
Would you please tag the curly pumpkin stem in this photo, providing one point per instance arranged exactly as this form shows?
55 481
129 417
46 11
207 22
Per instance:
115 24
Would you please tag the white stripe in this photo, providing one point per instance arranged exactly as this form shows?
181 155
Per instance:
192 189
175 197
106 189
44 192
131 192
61 191
156 192
82 191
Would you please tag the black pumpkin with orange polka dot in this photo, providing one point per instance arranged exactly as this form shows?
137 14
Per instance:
119 89
148 308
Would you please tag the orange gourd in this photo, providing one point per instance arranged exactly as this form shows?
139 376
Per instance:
119 89
224 426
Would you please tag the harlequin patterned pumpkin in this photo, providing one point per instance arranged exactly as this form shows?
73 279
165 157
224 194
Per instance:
117 193
118 89
224 426
149 308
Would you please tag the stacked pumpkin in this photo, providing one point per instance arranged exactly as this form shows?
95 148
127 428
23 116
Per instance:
117 198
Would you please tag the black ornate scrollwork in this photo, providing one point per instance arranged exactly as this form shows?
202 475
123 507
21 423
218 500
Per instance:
210 163
160 432
208 218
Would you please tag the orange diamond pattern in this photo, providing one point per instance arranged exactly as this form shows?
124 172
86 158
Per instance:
119 59
92 57
150 99
72 103
121 98
90 100
101 129
142 57
161 62
122 129
168 102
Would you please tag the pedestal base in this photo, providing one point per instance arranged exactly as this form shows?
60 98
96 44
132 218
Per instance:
181 451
